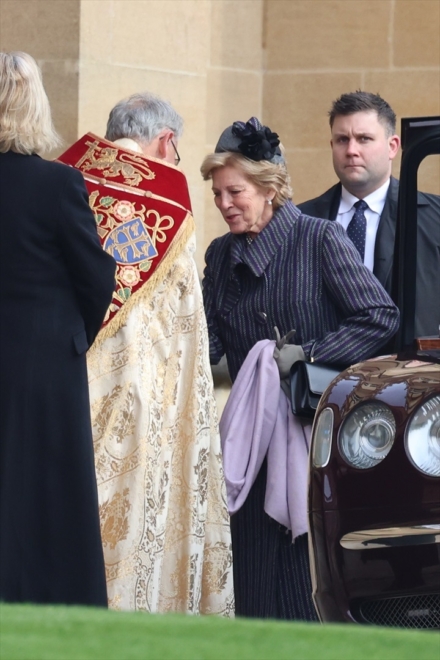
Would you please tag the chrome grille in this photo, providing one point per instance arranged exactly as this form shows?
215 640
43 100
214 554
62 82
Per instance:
405 611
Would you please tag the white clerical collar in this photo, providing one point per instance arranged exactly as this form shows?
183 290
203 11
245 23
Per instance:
375 200
128 143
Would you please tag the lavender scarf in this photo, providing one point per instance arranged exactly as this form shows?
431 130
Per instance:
257 421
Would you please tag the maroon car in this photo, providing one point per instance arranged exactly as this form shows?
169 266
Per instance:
374 491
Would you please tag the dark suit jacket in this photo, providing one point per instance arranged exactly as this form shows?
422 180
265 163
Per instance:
57 283
301 273
428 248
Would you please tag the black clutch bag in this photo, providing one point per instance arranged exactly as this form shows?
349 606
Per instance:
308 380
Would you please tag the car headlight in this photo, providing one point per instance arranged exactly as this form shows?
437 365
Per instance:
367 435
322 438
422 439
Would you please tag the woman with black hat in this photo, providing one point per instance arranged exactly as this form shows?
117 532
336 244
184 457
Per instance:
277 268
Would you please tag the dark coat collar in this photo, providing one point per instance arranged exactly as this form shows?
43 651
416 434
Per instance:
258 254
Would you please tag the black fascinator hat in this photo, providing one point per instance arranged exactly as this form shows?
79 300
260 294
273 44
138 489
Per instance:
251 139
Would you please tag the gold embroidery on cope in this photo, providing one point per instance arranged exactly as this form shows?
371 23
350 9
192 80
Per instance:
114 521
112 162
130 239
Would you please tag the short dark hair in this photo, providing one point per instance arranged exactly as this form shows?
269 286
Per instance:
359 101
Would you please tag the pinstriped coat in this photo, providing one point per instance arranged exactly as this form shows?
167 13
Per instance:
299 272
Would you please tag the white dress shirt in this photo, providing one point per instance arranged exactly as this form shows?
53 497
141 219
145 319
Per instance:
376 202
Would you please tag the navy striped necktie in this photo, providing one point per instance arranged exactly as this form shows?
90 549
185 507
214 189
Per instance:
357 228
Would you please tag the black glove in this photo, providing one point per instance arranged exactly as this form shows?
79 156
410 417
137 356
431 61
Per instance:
286 354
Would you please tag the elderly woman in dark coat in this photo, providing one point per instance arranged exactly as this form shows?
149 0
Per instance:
277 267
57 283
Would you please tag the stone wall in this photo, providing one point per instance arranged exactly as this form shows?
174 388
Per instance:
49 30
316 50
191 52
221 60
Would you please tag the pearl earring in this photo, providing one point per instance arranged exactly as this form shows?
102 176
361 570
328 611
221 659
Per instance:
269 201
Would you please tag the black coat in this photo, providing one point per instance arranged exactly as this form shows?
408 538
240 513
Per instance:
56 284
428 248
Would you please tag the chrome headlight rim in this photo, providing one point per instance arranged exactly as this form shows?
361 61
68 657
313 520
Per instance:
372 457
322 445
431 441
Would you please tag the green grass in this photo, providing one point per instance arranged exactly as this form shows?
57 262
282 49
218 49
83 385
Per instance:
73 633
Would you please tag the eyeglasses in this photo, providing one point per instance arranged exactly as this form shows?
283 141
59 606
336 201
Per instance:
176 157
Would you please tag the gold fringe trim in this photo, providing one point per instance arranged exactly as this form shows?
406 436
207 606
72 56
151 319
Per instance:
180 240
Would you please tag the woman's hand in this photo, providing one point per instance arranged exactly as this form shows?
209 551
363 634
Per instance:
286 354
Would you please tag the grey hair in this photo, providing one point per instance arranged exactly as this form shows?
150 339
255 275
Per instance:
142 117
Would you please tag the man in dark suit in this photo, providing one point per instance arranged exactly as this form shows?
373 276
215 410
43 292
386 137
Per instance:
364 144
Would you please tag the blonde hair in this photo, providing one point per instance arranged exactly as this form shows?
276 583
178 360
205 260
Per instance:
25 118
262 173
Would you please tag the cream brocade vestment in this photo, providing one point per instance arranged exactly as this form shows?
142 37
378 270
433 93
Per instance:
162 497
164 520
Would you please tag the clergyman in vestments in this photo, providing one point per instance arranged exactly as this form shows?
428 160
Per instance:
164 521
